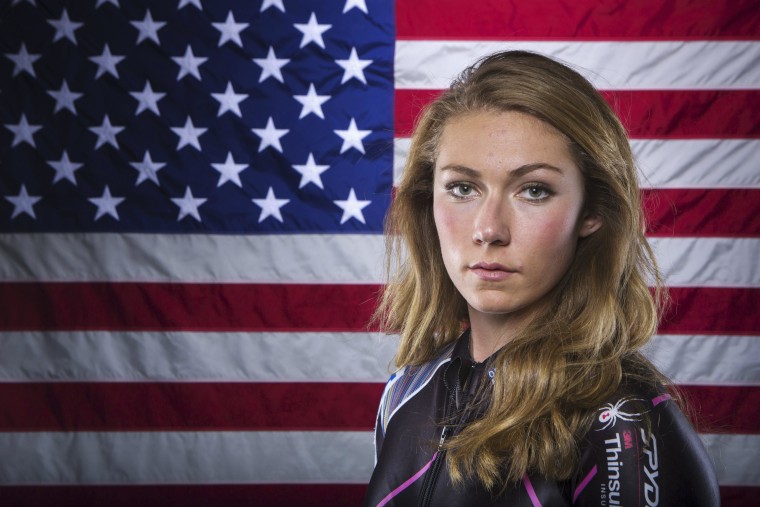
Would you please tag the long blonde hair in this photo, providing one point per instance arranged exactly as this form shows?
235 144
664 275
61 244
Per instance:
585 339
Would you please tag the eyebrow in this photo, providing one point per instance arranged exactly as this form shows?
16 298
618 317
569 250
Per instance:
514 173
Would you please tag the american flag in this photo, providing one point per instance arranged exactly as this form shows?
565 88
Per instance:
191 204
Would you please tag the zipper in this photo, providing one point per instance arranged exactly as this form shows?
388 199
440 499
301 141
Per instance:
426 494
431 476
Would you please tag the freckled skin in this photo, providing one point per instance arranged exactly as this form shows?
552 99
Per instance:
486 212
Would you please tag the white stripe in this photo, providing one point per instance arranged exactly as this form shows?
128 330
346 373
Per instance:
93 356
401 147
629 65
238 457
408 396
711 262
708 262
698 163
706 359
692 163
339 259
195 357
735 458
244 457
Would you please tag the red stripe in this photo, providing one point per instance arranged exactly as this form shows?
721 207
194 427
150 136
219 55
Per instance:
739 496
579 19
723 409
702 212
691 114
701 310
203 406
239 495
647 114
248 307
197 307
199 406
223 495
733 212
407 105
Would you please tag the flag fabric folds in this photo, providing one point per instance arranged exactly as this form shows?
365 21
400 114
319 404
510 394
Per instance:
192 196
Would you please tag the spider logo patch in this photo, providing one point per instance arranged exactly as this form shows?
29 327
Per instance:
611 413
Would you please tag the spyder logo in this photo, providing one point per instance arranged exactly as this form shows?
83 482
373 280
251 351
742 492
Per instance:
611 413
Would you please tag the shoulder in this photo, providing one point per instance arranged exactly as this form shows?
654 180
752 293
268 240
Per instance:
632 403
406 382
642 450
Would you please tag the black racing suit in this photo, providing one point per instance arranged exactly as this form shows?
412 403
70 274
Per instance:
622 462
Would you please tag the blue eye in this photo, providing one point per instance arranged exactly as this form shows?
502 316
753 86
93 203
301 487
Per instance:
461 190
536 192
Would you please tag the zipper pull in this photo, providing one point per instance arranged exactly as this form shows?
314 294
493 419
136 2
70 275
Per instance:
443 437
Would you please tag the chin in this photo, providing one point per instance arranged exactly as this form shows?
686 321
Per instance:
494 307
499 302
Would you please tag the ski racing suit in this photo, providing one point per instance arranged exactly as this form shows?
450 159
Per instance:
623 461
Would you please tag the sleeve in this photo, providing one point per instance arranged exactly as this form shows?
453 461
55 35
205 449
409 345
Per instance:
642 451
379 436
383 411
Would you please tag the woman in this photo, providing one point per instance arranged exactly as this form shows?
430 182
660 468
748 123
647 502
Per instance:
520 293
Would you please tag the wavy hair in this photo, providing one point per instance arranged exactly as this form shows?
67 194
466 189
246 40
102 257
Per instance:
584 340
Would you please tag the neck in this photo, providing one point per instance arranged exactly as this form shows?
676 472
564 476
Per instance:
490 332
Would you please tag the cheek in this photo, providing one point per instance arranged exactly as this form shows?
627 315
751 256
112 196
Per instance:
451 230
554 235
444 219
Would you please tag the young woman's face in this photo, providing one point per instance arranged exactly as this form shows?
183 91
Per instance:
508 207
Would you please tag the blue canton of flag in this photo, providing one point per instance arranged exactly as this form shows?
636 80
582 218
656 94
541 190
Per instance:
221 117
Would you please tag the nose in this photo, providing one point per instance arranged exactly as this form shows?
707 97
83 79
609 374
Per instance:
491 222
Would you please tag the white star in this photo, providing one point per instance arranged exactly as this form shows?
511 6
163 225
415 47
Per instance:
229 100
64 98
352 137
270 136
230 31
188 64
147 169
64 27
353 67
188 205
310 172
359 4
196 3
148 28
352 208
271 65
23 203
229 171
312 103
106 62
106 133
270 206
102 2
106 204
312 31
64 168
23 61
266 4
147 99
189 135
23 132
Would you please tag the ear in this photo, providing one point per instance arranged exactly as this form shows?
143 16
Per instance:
590 224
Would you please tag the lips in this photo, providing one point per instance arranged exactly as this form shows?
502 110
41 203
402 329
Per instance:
491 271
